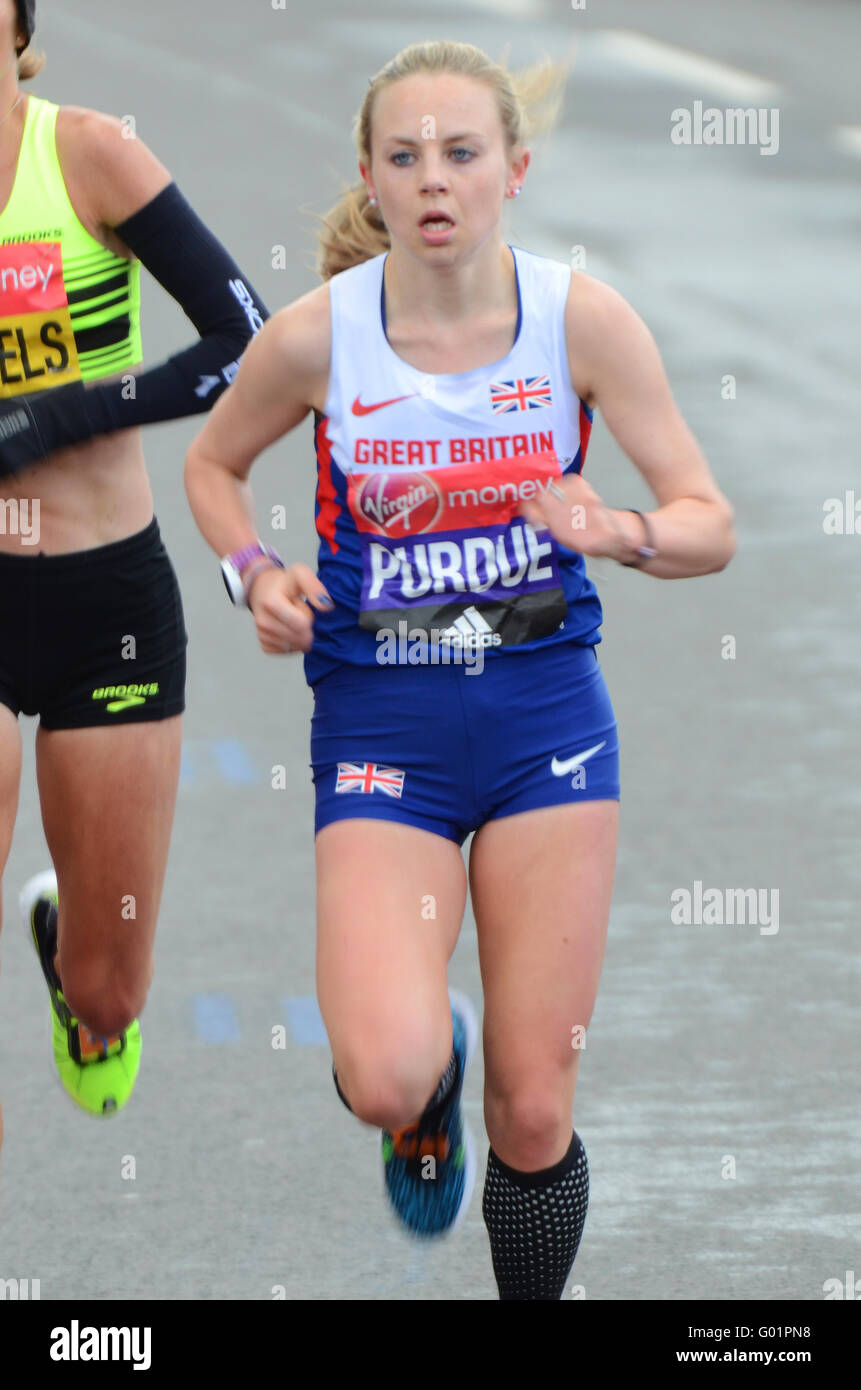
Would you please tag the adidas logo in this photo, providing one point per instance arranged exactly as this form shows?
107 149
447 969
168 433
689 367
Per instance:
470 630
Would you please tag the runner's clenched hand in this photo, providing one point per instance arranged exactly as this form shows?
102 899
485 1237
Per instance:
280 602
579 519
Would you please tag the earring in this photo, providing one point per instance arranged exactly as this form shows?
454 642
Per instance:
515 192
372 201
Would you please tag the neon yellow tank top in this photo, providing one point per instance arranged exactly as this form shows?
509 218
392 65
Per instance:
69 308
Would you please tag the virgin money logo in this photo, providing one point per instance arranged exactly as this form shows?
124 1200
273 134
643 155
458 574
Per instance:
400 504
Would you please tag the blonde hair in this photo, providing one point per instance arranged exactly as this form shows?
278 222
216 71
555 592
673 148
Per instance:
528 101
30 64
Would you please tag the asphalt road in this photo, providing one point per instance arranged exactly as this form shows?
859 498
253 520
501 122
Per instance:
709 1042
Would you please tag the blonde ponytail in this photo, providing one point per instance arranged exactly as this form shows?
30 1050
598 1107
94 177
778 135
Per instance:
353 230
30 64
539 91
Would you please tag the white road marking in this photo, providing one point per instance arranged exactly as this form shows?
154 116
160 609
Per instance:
848 137
680 65
183 71
524 9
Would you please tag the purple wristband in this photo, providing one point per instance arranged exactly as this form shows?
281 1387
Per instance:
240 558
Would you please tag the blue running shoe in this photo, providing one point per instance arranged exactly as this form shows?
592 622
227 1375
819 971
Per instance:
430 1166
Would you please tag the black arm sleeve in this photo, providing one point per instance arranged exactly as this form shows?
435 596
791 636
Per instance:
183 255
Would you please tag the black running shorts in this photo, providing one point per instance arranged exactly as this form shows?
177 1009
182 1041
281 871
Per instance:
95 637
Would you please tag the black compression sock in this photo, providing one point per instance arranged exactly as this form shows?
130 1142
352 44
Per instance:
535 1221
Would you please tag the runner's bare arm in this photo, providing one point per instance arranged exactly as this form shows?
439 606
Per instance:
615 365
282 377
114 174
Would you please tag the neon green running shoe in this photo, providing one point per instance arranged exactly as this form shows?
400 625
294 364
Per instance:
99 1073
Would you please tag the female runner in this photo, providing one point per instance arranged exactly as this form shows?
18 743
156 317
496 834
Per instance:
450 636
92 636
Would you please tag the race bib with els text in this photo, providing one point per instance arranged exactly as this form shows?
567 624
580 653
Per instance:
37 342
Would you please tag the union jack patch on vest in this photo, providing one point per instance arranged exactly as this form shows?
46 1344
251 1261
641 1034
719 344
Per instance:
526 393
370 777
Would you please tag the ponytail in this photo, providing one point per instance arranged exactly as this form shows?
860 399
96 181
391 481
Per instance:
353 231
30 64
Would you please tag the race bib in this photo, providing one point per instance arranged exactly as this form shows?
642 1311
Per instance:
37 342
444 549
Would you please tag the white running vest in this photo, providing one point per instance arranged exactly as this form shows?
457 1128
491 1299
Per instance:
420 475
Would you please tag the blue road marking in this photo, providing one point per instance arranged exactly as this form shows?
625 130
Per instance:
418 1266
233 762
215 1019
305 1020
226 757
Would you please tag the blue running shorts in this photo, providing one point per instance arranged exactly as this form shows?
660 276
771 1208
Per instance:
446 748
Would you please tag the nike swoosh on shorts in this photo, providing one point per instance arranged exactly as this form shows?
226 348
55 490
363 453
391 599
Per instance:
559 769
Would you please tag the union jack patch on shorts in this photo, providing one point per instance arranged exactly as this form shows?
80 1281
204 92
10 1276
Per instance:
370 777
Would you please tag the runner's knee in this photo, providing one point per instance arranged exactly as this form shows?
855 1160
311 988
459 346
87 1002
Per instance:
101 999
390 1088
527 1120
